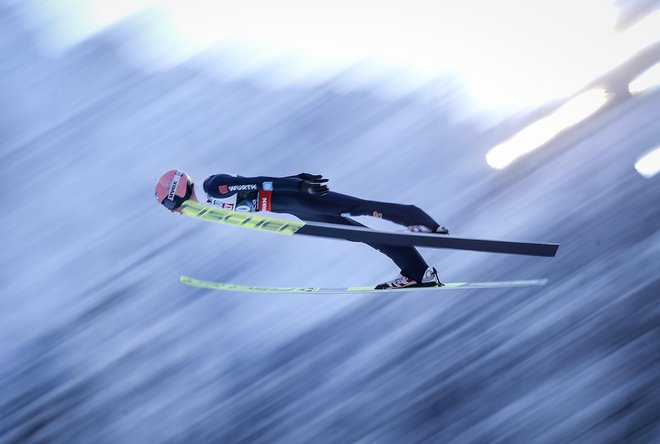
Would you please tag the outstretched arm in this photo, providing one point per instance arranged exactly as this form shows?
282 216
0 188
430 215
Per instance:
225 185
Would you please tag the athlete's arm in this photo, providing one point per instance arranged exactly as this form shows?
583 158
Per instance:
225 185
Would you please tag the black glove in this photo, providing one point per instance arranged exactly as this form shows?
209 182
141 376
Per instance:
314 178
313 188
312 183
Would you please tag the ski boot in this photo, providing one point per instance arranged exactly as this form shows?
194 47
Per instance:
425 229
430 279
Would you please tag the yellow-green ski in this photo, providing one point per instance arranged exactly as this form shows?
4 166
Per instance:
244 220
447 286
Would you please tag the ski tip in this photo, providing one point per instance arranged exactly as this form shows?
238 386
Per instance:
189 281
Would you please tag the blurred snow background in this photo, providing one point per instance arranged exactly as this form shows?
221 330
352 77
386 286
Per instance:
392 101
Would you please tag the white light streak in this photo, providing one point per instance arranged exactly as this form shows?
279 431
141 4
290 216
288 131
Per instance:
646 81
543 130
649 164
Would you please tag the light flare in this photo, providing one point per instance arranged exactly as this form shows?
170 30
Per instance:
649 164
543 130
646 81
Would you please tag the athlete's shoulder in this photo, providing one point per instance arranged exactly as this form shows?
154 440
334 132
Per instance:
214 181
221 176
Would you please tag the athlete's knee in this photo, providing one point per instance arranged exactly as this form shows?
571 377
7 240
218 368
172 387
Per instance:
418 216
405 208
414 209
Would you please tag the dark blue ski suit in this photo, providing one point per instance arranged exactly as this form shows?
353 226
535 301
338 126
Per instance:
287 195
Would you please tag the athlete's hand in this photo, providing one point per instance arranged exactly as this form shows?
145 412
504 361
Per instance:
313 178
314 188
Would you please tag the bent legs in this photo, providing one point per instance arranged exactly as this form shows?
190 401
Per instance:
330 207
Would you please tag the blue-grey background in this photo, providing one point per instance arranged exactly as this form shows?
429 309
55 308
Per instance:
99 342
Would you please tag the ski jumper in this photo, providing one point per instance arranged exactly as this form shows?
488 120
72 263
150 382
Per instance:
284 195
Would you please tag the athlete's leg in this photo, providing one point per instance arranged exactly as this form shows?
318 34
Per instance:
408 259
336 204
400 214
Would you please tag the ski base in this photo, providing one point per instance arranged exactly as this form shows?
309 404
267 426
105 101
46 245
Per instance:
223 286
363 234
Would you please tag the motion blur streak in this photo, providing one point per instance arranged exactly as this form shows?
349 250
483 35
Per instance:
646 81
512 54
100 343
649 164
541 131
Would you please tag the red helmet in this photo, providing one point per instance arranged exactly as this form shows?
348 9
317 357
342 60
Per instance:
173 188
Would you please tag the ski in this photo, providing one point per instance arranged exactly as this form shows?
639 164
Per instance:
362 234
223 286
